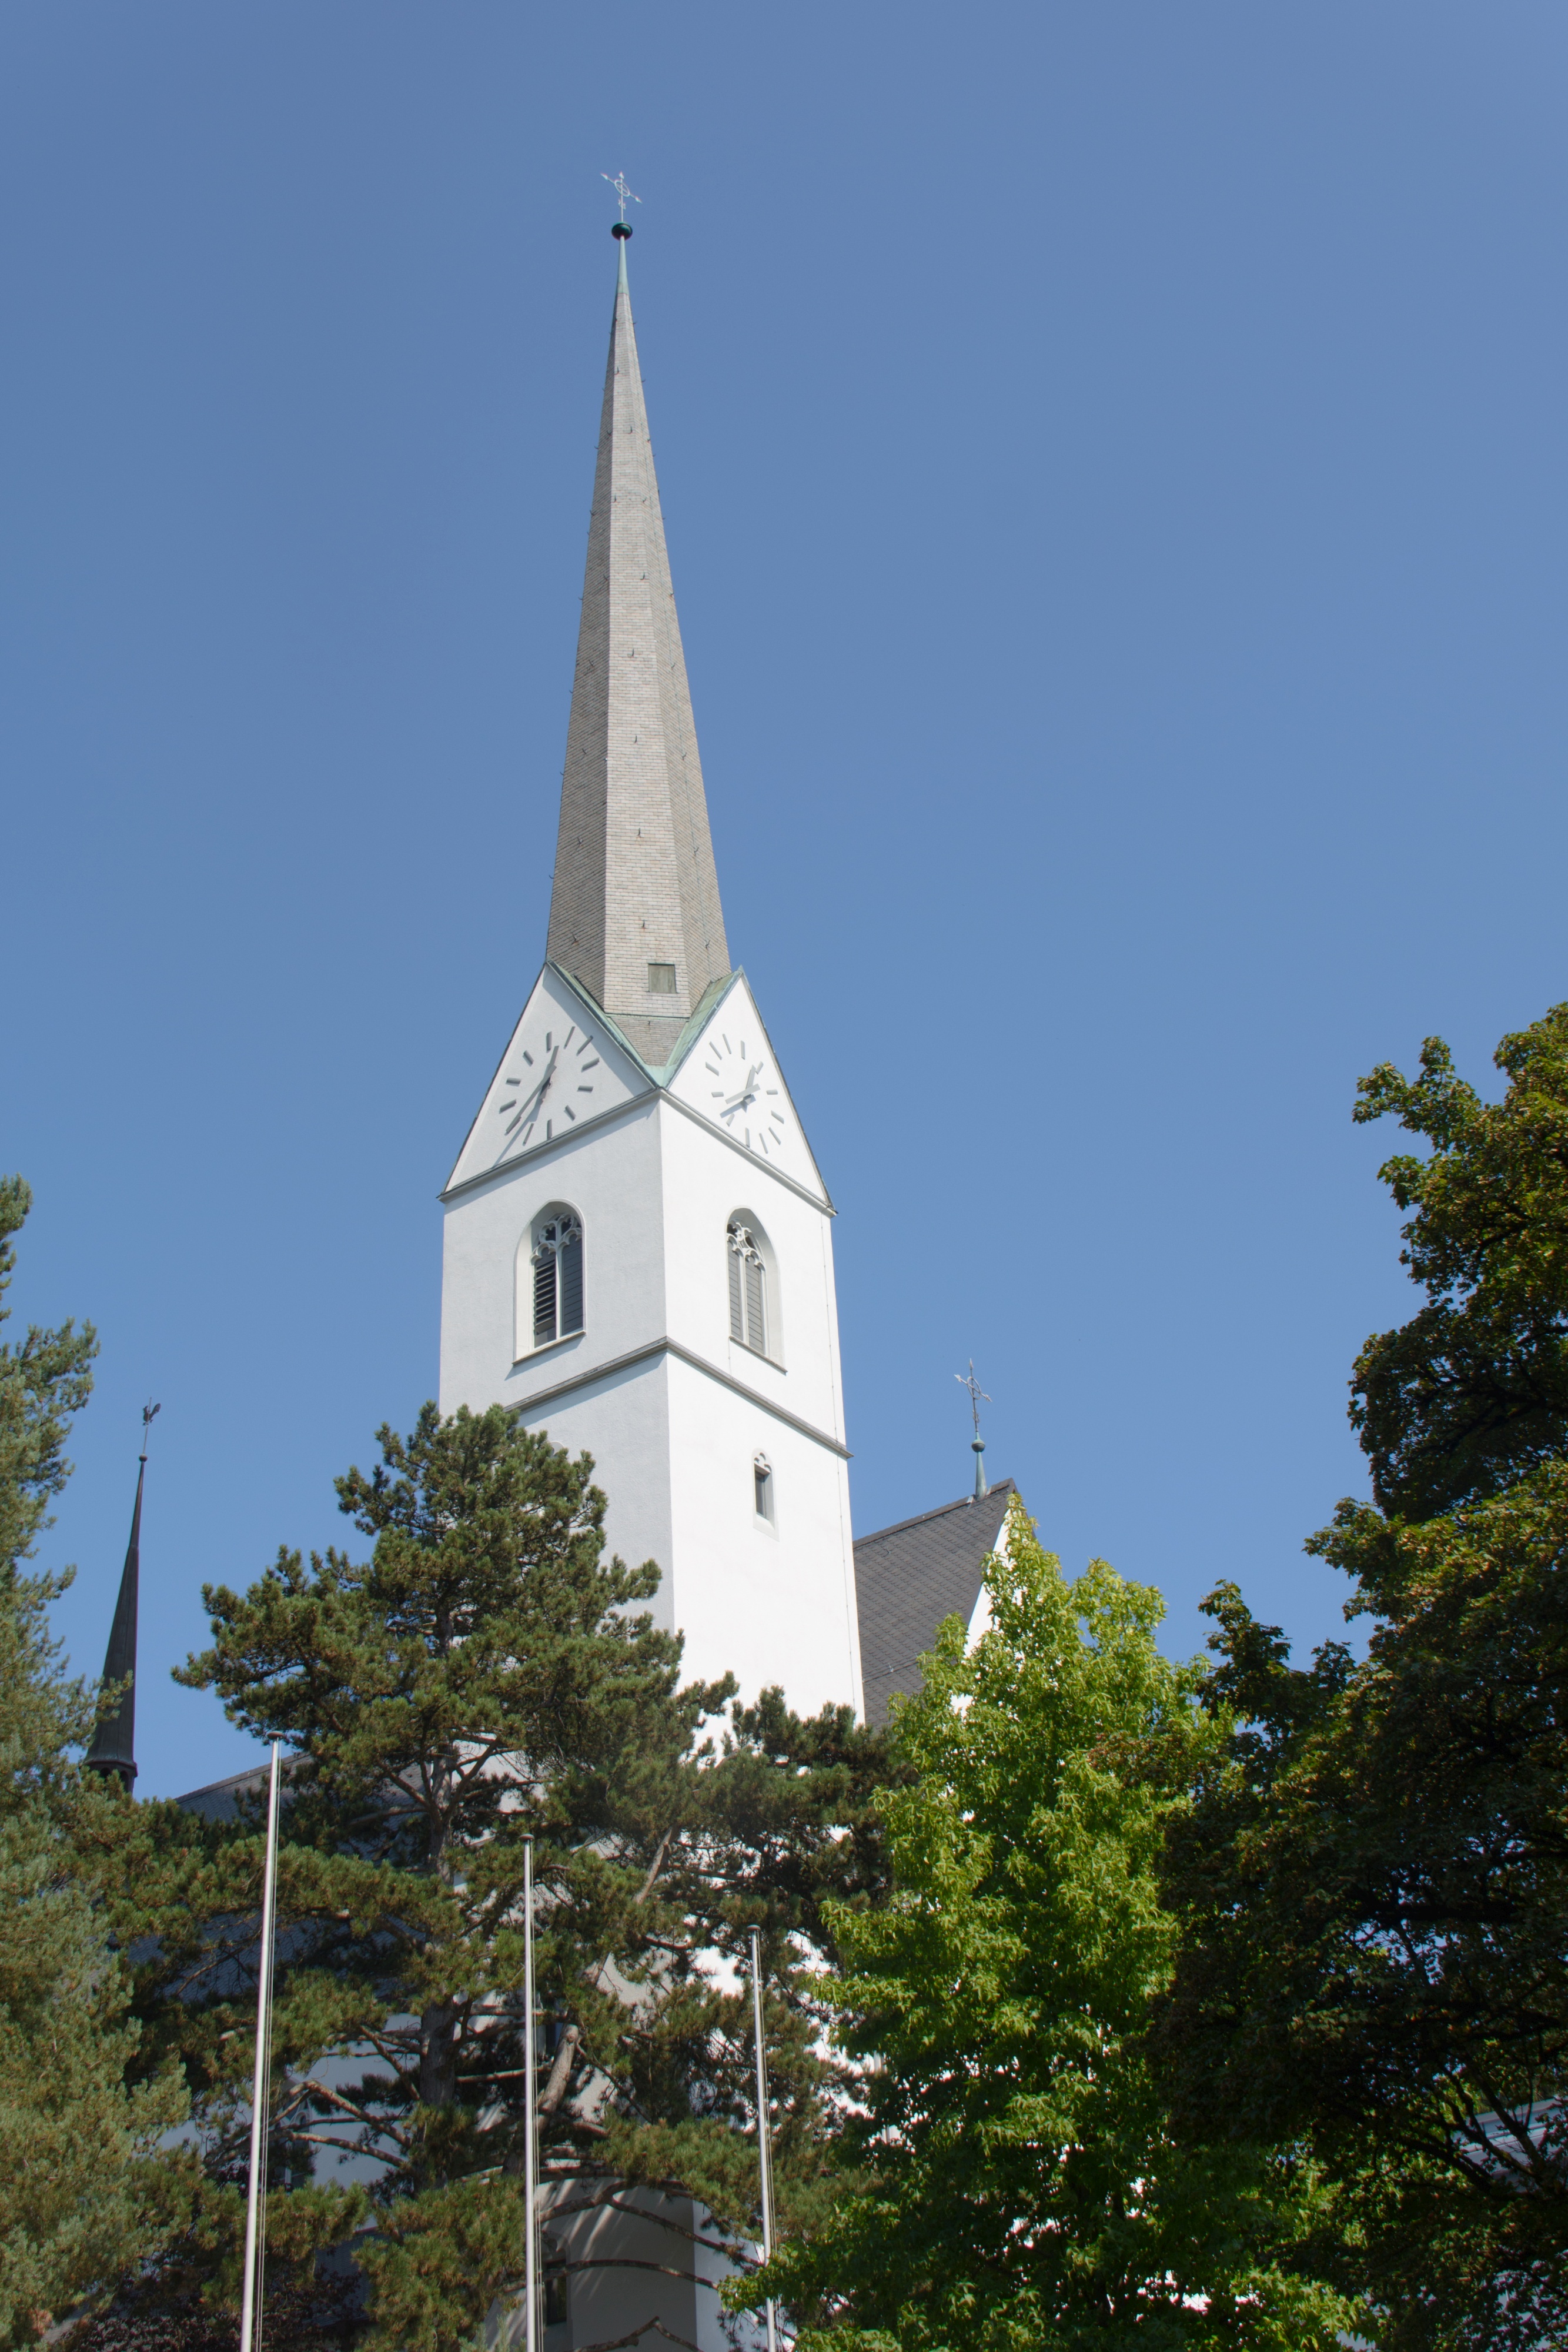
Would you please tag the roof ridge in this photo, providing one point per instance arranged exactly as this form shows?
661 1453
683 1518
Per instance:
964 1503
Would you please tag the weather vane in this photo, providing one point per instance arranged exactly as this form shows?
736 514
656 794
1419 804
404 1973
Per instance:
977 1397
627 195
149 1415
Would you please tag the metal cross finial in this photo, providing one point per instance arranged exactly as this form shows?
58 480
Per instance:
978 1396
627 195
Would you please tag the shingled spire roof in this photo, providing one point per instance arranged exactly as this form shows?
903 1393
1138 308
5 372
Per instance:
113 1746
634 912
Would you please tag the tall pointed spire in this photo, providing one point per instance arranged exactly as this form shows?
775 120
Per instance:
113 1746
634 911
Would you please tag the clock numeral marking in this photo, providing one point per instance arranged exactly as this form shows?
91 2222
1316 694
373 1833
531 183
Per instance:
728 1046
549 1130
584 1046
568 1038
585 1091
594 1063
549 1041
569 1112
772 1090
528 1059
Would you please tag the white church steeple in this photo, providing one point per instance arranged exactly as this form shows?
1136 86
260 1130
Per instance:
638 1245
635 892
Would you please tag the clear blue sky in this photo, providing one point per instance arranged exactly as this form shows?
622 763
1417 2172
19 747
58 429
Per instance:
1114 464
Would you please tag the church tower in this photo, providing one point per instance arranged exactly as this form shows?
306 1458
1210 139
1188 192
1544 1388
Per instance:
638 1245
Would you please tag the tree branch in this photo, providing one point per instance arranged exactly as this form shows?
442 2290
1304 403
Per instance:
559 2073
652 2326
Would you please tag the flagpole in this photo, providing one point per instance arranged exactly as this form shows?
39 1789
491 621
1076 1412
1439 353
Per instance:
255 2250
530 2116
764 2134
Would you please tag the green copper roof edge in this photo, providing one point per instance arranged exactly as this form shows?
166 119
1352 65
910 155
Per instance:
591 1003
708 1003
658 1074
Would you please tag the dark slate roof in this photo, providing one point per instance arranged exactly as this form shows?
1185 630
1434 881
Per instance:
218 1801
910 1576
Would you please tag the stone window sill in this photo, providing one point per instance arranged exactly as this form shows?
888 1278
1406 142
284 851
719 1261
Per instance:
551 1347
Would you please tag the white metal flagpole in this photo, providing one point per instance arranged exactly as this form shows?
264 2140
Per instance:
255 2249
530 2115
764 2133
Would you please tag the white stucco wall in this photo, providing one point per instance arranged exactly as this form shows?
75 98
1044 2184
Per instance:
673 1437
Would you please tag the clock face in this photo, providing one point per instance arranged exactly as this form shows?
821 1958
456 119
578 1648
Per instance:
746 1098
548 1083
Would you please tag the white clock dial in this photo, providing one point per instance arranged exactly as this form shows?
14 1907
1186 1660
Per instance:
745 1095
548 1083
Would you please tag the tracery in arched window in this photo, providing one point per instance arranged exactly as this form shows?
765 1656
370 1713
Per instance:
558 1276
747 1288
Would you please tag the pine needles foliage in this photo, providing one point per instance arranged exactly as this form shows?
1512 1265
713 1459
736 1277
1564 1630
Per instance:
84 2192
487 1675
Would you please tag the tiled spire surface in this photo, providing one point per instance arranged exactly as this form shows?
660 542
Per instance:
113 1746
635 892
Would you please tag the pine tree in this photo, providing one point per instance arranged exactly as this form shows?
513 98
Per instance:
83 2194
486 1678
44 1383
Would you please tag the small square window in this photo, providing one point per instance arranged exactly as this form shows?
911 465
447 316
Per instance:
660 980
762 1488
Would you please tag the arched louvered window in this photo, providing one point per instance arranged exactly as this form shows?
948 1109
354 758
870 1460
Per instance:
747 1288
557 1264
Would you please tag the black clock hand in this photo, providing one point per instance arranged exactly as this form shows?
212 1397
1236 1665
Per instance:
537 1098
544 1087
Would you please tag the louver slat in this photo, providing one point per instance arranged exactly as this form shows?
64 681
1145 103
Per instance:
737 1319
571 1285
544 1298
755 1322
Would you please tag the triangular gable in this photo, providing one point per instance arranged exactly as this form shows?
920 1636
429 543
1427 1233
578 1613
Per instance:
605 1074
722 1056
908 1577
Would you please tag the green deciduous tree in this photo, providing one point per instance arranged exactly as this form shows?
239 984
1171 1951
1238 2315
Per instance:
1374 1875
1472 1392
488 1675
82 2194
1014 2179
1374 1883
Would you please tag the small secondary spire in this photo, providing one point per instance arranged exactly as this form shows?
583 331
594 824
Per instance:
977 1397
113 1749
